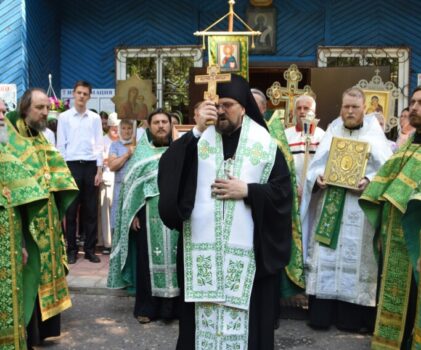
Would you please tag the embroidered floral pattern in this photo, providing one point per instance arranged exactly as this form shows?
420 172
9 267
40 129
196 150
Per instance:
257 154
206 319
233 278
205 149
204 270
235 322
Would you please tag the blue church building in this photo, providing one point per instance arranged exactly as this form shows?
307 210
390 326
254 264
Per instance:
103 41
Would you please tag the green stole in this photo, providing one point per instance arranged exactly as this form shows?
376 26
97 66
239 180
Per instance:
411 224
293 279
17 188
327 231
45 272
140 188
384 201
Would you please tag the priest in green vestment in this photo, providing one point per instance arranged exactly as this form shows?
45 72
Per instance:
144 250
292 281
385 202
46 291
17 189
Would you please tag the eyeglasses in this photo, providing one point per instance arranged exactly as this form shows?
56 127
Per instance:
225 105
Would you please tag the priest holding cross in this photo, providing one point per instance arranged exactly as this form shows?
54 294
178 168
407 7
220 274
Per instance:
212 78
226 187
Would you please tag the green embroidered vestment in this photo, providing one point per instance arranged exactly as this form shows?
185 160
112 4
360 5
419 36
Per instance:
295 269
140 188
44 274
384 202
17 188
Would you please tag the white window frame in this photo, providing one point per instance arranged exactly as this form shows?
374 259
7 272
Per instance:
401 53
159 53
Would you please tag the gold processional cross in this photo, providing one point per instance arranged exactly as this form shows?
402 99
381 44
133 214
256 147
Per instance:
288 94
212 78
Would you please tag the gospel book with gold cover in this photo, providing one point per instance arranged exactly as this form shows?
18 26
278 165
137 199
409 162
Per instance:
347 162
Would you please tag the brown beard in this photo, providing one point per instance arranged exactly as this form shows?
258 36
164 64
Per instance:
160 141
226 130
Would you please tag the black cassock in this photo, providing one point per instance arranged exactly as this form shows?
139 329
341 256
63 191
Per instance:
270 204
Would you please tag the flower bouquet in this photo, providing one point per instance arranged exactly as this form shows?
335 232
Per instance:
56 105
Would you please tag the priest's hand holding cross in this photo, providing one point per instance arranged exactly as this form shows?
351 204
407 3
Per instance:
211 79
207 114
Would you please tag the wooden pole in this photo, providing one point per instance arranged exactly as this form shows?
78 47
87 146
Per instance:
231 16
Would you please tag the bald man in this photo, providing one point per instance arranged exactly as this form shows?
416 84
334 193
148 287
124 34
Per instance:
296 137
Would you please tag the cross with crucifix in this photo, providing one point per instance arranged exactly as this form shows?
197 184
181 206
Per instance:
212 78
288 94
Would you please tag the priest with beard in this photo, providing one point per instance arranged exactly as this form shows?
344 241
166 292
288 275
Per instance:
227 189
144 250
341 268
46 290
18 188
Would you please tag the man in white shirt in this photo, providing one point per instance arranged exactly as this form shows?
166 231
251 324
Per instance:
296 138
80 141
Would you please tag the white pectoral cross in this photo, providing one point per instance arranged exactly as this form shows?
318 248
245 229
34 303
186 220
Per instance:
157 251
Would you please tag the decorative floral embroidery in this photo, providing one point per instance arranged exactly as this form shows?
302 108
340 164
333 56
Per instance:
233 277
256 154
207 321
204 270
206 345
205 149
235 322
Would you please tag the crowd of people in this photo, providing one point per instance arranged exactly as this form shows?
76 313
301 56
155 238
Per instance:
212 227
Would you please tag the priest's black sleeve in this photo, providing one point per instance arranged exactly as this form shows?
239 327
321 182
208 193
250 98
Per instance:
177 179
271 205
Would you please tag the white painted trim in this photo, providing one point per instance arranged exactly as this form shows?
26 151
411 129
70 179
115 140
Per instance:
402 53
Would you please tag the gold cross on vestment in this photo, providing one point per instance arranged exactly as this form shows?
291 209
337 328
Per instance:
212 78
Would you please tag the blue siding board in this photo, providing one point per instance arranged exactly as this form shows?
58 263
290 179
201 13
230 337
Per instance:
75 39
43 30
12 42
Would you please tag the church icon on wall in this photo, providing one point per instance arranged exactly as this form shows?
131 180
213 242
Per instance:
264 21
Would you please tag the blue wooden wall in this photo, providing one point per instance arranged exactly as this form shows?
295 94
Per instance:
43 42
13 59
91 30
75 39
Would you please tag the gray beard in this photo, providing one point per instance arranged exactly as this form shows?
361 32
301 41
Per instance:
4 136
37 126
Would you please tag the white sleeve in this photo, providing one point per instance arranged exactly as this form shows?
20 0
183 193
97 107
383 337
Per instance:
61 135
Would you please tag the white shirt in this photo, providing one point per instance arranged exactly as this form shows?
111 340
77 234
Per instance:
79 136
49 135
296 142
